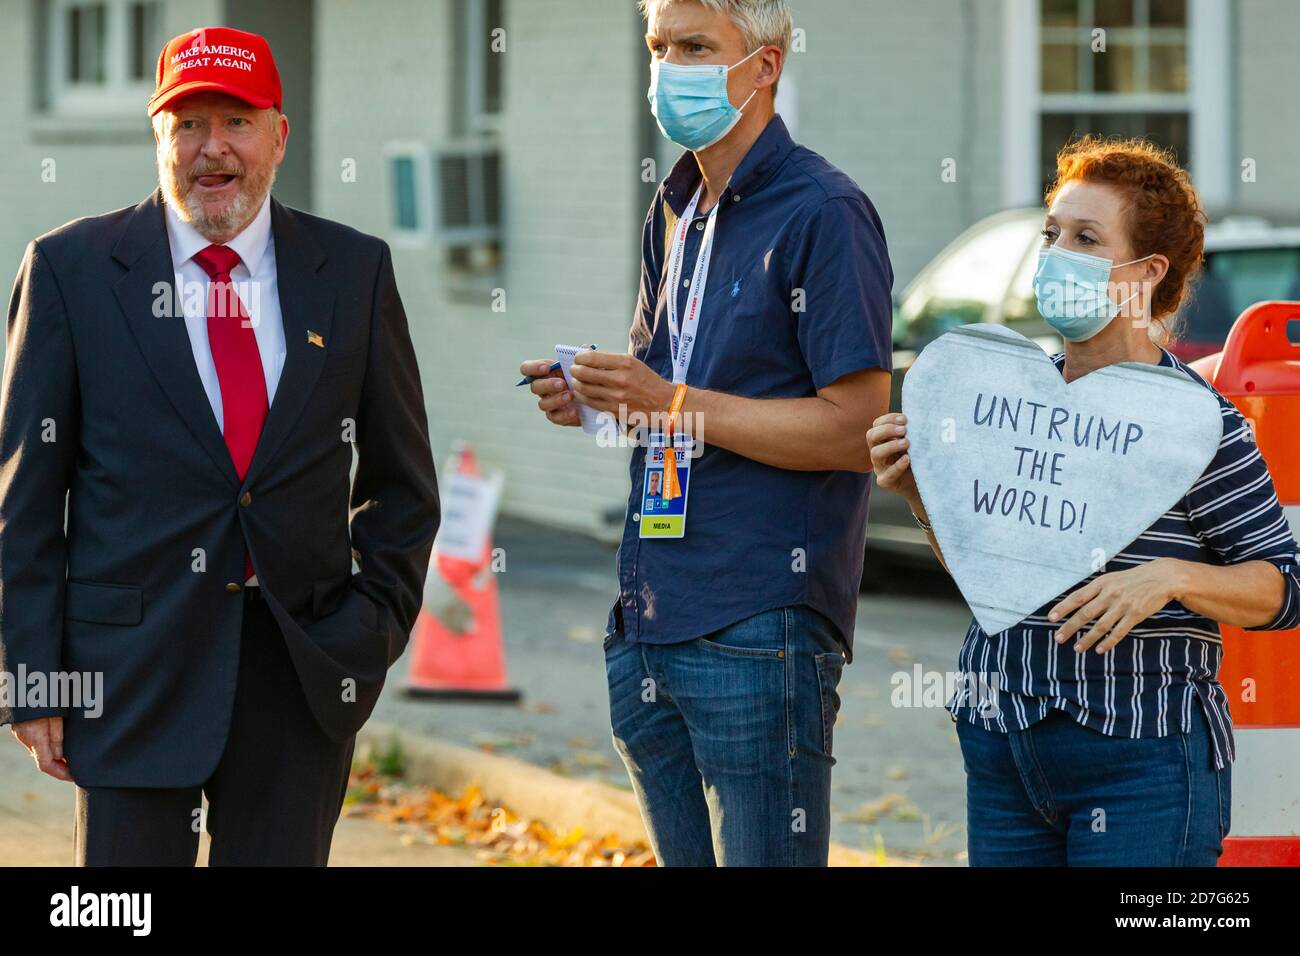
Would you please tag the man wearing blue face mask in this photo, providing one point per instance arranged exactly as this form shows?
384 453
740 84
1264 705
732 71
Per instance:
764 319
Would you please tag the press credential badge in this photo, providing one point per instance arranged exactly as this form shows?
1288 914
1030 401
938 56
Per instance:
661 518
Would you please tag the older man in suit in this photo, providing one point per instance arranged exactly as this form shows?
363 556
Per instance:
191 377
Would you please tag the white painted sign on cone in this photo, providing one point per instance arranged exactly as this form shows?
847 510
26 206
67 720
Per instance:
469 508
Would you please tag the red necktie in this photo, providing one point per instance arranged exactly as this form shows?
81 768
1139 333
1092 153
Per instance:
238 363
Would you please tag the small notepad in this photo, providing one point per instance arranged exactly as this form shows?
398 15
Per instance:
592 421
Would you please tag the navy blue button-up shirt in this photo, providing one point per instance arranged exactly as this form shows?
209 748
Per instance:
798 296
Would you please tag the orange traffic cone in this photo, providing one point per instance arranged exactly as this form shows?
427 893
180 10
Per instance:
456 649
1259 372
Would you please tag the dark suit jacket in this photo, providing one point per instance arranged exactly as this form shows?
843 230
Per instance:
143 586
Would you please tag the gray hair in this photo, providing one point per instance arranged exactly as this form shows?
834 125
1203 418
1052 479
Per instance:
761 22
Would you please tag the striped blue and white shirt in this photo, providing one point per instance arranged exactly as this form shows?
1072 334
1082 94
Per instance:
1147 685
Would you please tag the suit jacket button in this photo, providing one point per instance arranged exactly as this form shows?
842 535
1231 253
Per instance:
234 587
247 499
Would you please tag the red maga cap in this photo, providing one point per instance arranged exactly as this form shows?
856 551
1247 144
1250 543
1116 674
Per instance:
217 59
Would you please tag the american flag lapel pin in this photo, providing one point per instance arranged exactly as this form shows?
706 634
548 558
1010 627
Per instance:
315 339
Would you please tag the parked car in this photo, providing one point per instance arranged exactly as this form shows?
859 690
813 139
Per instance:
985 275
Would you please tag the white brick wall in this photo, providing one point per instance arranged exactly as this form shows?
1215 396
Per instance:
883 96
571 182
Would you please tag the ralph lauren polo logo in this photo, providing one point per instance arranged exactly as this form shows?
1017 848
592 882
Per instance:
735 288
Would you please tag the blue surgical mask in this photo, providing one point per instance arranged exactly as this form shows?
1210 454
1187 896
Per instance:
1071 291
691 102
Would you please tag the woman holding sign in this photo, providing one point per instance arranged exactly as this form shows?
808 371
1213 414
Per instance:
1095 731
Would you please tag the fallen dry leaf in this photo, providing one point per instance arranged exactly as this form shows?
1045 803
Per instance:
899 656
896 804
422 815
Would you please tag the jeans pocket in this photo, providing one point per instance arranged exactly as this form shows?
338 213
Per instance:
762 636
731 650
830 667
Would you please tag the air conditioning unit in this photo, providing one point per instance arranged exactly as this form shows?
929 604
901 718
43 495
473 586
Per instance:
467 197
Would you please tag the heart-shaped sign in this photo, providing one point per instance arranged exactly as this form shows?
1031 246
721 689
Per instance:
1032 484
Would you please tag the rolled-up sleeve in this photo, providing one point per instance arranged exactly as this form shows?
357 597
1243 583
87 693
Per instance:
1235 511
841 281
647 300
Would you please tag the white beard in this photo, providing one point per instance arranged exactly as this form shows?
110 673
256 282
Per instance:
191 209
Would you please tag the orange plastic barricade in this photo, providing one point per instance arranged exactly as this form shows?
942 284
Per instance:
1259 371
457 652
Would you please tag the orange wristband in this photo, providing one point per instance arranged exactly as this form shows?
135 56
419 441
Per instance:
672 488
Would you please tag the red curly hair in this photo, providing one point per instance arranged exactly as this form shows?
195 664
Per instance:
1164 211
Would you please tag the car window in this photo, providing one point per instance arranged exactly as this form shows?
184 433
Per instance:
1233 280
971 279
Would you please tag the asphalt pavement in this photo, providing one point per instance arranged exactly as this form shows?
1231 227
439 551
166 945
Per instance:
898 783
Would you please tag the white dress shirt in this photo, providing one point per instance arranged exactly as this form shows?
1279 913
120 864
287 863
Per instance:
255 283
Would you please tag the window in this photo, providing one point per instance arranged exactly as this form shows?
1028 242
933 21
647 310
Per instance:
404 186
1145 46
1114 67
1232 281
465 174
410 183
1167 73
479 57
101 55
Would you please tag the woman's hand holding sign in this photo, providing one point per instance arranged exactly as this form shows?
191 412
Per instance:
887 440
1248 594
892 466
1115 603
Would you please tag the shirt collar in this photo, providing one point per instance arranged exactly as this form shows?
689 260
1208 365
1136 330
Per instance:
1167 360
250 244
755 170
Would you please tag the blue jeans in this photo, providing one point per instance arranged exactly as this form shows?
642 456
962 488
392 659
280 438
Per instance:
1061 794
727 739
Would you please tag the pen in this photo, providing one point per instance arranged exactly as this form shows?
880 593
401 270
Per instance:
555 367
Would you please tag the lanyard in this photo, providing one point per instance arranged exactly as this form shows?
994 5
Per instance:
682 338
